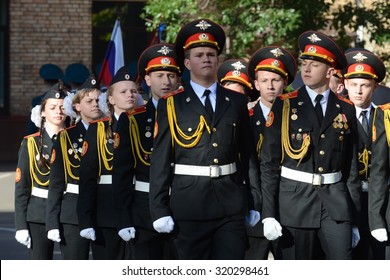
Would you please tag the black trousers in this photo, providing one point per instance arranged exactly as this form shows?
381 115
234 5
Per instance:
72 245
219 239
335 240
41 247
108 245
147 245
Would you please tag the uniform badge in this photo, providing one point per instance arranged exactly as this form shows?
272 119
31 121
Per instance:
18 175
155 130
53 156
294 115
85 148
117 140
270 119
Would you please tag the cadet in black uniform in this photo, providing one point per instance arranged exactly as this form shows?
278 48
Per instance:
161 69
272 69
61 216
95 206
309 161
365 70
50 74
32 175
233 74
75 75
201 156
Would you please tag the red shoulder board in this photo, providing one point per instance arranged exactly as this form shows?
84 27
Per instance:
345 100
70 127
32 135
137 110
384 106
179 90
288 95
101 120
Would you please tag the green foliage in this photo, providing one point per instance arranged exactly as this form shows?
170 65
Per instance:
251 24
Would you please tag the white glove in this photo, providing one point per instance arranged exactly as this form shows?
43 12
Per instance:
23 237
164 224
380 234
355 236
127 233
252 218
272 228
54 235
88 233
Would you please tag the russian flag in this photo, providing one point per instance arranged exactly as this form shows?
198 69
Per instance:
113 59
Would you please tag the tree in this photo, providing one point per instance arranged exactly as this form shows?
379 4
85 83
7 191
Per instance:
250 24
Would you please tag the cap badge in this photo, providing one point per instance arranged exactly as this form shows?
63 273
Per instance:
127 77
276 52
359 57
203 25
93 82
359 68
314 38
165 61
164 50
203 37
312 49
236 73
276 63
57 95
238 65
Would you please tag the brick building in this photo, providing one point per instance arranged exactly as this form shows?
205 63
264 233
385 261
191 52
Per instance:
35 32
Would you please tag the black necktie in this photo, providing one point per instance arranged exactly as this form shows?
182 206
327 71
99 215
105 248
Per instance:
318 108
207 103
363 114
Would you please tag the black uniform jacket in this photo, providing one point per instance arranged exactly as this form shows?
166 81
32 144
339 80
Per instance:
133 206
333 148
258 125
65 169
95 206
230 140
29 208
378 190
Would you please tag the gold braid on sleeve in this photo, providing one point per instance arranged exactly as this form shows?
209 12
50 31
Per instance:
32 151
286 146
136 144
174 127
64 140
102 149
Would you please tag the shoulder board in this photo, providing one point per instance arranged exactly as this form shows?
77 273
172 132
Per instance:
32 135
384 106
345 99
288 95
135 111
101 120
181 89
70 127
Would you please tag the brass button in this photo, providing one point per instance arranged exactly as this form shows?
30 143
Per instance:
322 152
300 129
341 137
234 124
322 136
189 129
320 169
215 145
216 161
369 152
214 129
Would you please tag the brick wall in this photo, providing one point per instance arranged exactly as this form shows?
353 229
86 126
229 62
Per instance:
45 31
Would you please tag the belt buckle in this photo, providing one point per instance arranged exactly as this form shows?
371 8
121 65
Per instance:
214 171
317 180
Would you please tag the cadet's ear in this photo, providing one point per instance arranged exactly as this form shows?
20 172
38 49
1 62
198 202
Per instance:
187 64
330 72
